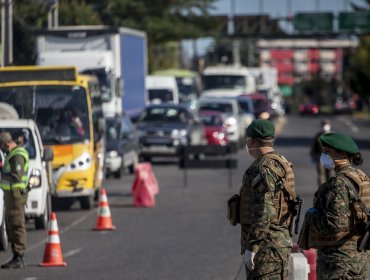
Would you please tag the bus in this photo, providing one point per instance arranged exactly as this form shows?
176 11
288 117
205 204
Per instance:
65 107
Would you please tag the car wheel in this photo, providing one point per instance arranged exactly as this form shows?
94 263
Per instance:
3 236
87 202
41 222
118 173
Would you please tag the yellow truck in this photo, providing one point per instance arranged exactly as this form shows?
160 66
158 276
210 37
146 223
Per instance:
65 107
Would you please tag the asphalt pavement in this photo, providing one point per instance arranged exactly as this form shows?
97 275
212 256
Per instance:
186 235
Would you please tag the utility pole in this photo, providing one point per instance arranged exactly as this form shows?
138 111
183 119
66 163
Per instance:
53 13
231 32
7 32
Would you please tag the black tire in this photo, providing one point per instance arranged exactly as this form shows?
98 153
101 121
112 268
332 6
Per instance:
131 168
97 194
4 242
118 173
41 222
87 202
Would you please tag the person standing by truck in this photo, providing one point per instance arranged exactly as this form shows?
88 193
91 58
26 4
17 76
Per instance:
14 184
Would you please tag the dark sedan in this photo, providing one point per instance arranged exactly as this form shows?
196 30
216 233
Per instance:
163 128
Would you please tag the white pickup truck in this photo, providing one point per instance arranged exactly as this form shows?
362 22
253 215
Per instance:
39 200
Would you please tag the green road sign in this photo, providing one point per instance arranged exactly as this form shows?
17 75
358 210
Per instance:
354 21
314 22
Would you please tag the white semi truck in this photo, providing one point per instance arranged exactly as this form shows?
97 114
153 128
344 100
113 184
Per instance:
117 56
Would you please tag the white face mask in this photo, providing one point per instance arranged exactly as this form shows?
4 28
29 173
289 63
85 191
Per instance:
327 161
326 128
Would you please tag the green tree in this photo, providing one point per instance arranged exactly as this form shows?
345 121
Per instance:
30 16
163 21
358 75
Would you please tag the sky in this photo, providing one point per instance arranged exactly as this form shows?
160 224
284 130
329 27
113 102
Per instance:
274 8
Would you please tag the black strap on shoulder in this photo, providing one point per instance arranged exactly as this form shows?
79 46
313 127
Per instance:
357 196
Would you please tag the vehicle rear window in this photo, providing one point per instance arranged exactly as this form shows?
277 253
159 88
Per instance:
219 107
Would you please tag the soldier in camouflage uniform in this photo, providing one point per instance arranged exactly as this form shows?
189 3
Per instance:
267 190
337 218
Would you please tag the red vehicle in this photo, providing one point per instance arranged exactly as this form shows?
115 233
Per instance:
214 125
308 109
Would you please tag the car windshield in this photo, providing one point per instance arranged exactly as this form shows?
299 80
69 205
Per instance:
161 95
244 105
23 137
211 120
186 86
260 104
214 106
60 111
161 114
223 81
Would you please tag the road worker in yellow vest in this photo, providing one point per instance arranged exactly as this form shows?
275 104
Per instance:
14 177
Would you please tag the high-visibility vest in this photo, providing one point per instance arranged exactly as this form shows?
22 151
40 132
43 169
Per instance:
6 185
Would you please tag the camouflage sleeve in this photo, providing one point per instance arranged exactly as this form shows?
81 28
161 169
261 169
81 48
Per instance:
16 168
334 213
263 208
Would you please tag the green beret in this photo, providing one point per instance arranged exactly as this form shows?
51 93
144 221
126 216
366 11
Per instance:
261 128
340 142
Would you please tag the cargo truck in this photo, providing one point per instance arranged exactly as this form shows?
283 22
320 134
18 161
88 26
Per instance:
116 55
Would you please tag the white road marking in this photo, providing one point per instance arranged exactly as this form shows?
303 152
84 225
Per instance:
72 252
350 124
75 223
30 278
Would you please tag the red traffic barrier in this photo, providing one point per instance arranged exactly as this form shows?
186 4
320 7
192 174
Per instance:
53 252
145 185
311 259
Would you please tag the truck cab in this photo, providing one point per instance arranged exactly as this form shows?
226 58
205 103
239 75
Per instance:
25 132
227 81
162 89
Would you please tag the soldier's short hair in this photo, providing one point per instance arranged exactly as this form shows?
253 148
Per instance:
5 137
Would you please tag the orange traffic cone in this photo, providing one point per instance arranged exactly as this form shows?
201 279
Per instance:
104 221
53 253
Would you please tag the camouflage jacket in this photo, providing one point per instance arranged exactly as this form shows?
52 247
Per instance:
261 231
334 199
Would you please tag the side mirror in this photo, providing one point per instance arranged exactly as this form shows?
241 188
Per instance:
48 154
120 87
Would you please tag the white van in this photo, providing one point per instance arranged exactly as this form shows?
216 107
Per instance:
39 180
161 89
227 81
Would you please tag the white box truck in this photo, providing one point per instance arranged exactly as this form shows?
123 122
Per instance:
116 55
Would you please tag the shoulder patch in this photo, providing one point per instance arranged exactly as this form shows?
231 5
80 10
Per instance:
18 167
256 180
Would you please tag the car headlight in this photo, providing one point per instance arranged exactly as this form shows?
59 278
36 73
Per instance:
218 135
113 153
176 133
230 121
34 181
